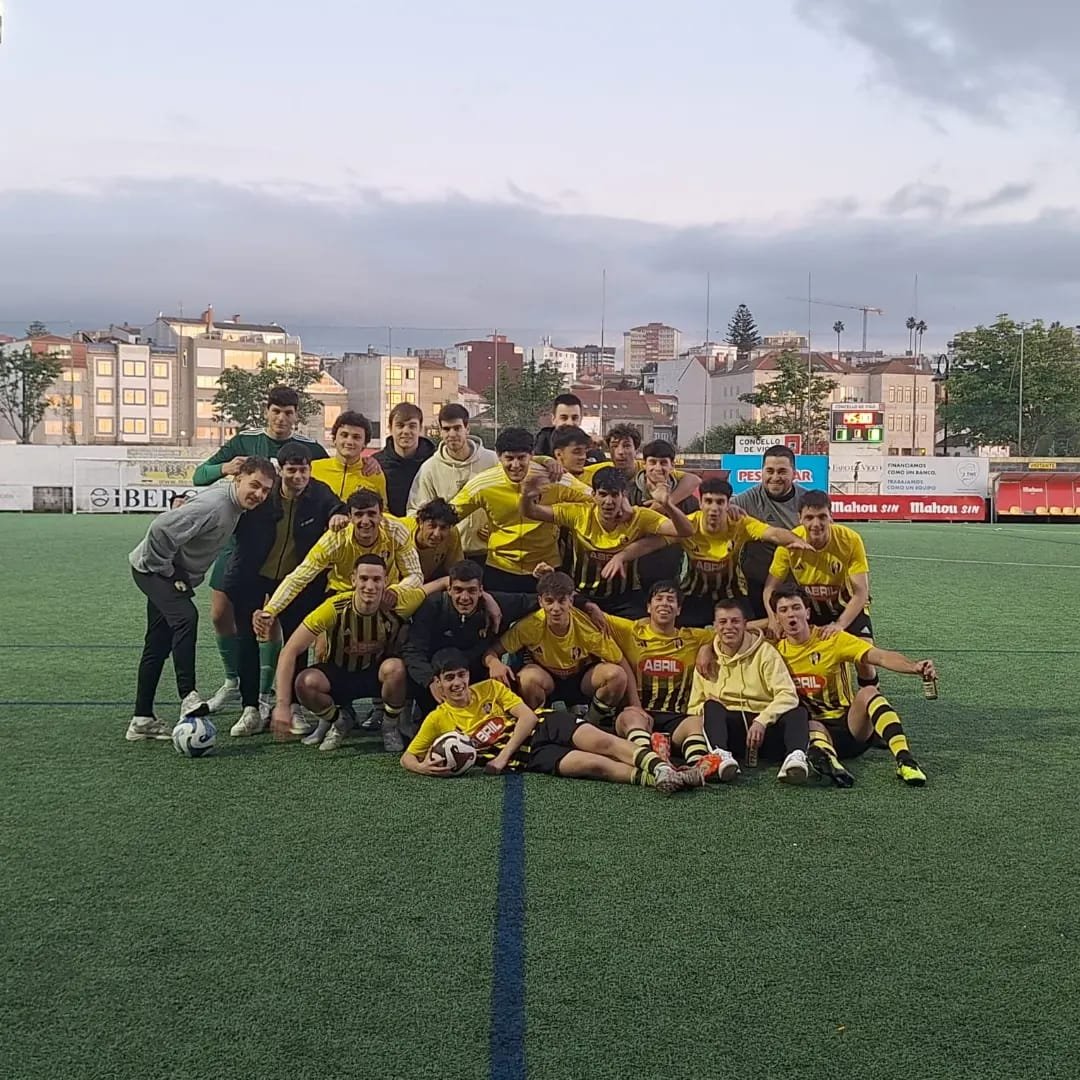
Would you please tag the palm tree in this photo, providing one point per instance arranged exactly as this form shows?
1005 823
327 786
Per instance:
920 329
838 329
910 324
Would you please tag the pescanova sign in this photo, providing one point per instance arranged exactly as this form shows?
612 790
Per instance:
744 471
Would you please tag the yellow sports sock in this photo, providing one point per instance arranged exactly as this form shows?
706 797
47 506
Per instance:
328 714
640 737
887 725
640 778
821 741
647 761
694 748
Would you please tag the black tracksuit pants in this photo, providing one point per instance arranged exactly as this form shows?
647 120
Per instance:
726 729
172 624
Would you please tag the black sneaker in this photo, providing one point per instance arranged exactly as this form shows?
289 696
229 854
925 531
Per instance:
827 765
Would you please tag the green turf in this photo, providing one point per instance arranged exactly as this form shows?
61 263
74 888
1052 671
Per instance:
273 913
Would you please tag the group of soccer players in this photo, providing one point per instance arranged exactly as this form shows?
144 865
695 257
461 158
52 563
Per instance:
573 610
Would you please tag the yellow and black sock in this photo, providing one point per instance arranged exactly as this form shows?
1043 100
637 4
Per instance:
646 761
601 714
888 728
821 741
694 748
393 713
640 778
822 755
327 715
640 737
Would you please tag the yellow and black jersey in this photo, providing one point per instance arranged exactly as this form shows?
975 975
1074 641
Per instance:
357 641
581 646
824 575
344 479
488 717
663 663
712 558
821 669
589 545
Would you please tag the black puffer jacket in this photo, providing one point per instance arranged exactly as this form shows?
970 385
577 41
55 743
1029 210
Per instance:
401 472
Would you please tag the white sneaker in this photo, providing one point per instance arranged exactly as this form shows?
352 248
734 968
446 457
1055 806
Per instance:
667 780
147 727
795 769
338 730
250 723
266 705
317 733
301 725
392 741
193 705
226 695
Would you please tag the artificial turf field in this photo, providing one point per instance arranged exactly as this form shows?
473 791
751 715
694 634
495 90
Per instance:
274 912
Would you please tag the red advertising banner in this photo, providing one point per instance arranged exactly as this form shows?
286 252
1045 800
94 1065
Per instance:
908 508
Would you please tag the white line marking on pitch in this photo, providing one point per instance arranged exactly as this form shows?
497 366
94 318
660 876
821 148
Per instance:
979 562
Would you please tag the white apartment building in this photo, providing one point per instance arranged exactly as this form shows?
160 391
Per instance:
566 360
649 344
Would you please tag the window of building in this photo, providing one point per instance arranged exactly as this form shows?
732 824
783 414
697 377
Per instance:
104 395
907 422
410 373
206 434
907 394
160 369
393 374
160 427
134 397
394 398
72 375
54 427
134 425
207 382
892 422
436 382
204 410
135 369
410 398
892 393
104 425
922 422
922 394
161 397
104 369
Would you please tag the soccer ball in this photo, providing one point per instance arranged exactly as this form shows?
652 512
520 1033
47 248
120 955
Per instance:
455 750
194 736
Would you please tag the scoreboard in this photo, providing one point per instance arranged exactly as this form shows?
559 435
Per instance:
857 424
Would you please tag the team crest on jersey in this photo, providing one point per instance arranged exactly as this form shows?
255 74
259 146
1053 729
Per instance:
815 658
486 708
577 653
835 566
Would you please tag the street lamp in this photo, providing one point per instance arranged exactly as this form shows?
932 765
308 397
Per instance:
941 367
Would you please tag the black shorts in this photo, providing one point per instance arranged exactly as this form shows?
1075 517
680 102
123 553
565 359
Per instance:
844 743
627 605
860 627
551 741
347 686
666 722
568 690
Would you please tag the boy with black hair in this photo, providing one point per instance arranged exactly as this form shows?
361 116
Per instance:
433 528
282 416
348 469
566 411
570 448
510 737
403 454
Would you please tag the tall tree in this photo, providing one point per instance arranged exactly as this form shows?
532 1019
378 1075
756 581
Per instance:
838 329
910 324
25 382
522 399
920 329
721 439
241 396
36 329
796 399
742 331
984 387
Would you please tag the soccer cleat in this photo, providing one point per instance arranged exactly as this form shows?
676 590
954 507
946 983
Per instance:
907 768
300 725
338 729
316 735
392 741
720 766
193 705
225 696
668 780
266 705
828 765
373 721
795 769
147 727
660 745
251 722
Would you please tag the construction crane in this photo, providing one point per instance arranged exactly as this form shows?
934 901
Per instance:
866 310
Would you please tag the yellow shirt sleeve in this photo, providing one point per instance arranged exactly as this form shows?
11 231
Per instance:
524 632
602 646
622 630
850 648
646 522
406 557
435 724
571 514
319 558
323 618
505 697
751 528
467 500
781 564
408 600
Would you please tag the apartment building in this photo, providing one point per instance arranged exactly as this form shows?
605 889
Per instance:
566 360
476 361
594 359
649 344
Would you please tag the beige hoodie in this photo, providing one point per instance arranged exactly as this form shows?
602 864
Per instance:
754 680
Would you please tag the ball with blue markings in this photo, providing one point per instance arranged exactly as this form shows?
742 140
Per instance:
194 736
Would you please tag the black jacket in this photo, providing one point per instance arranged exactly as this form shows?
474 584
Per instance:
437 625
543 446
256 530
401 472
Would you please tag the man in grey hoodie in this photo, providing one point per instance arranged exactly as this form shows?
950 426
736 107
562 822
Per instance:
179 548
458 459
774 501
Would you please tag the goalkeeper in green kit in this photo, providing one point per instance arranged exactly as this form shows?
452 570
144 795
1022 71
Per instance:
282 415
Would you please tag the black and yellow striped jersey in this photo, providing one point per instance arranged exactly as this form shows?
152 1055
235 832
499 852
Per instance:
356 641
712 558
821 669
663 663
590 545
489 708
825 574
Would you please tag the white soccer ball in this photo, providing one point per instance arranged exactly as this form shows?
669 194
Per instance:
455 750
194 736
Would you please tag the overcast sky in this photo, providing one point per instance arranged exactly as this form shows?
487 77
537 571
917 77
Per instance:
337 165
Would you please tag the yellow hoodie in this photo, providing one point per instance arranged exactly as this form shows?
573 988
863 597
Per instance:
754 680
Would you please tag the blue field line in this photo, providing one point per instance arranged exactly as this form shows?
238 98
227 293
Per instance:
508 961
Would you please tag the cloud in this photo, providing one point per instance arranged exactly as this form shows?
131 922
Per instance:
344 268
1006 195
976 56
933 198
